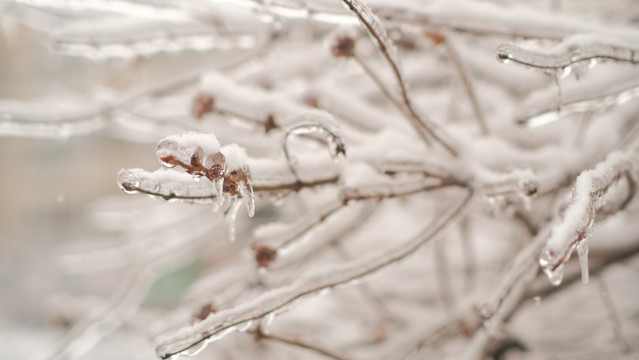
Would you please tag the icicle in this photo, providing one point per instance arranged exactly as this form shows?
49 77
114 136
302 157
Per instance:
556 75
248 196
231 216
218 186
582 252
267 322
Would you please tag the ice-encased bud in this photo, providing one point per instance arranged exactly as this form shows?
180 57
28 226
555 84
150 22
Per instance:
128 181
165 152
550 265
216 165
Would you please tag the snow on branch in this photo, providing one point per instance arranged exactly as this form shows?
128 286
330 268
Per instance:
572 231
191 339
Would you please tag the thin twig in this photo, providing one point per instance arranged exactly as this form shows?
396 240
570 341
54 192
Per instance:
424 127
467 82
259 335
612 314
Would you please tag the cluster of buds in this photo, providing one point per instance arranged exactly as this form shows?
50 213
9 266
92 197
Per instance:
201 156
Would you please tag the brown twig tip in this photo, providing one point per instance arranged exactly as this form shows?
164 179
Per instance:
202 105
344 46
264 255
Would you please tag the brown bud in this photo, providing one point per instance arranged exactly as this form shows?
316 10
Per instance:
203 105
344 46
205 311
435 37
264 255
269 124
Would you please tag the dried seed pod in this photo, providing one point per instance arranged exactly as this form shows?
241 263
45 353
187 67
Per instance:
264 255
344 46
202 105
206 310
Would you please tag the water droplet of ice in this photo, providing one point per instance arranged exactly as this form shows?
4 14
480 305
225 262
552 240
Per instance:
197 177
503 58
554 272
267 322
582 252
537 300
245 327
166 149
128 181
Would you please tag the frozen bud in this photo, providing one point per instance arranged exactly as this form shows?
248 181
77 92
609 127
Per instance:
232 182
165 152
264 255
216 165
269 124
202 105
435 37
344 46
204 312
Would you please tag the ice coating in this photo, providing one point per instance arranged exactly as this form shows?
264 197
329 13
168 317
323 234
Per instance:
572 50
573 230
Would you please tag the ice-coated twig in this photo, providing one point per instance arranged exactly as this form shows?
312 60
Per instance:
496 19
172 185
140 9
252 102
299 10
223 322
541 108
521 184
573 230
319 122
285 235
467 81
571 51
155 44
260 335
20 119
424 127
331 231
